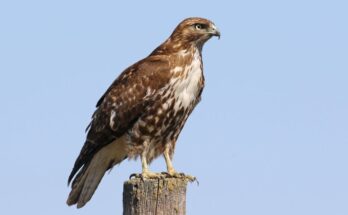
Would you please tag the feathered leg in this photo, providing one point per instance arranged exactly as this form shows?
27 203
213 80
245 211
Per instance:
146 173
170 169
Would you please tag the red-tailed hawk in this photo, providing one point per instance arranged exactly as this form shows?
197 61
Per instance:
144 109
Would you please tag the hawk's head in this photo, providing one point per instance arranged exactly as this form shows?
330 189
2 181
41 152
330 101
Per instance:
195 30
192 32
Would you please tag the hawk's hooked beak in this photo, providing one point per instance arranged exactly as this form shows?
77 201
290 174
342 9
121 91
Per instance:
215 31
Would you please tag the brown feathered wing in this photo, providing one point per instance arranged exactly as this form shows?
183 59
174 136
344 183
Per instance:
117 110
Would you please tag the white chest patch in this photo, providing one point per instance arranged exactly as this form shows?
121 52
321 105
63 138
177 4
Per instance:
187 88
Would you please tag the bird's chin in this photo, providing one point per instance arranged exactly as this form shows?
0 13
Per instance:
208 37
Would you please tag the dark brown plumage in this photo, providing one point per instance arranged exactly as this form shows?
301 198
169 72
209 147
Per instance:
144 109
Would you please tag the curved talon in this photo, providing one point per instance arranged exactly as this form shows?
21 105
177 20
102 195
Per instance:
192 179
135 175
166 174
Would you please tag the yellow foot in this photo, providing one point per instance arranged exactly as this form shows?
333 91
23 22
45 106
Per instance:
147 175
174 174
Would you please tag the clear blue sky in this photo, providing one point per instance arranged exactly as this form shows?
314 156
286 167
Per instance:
270 136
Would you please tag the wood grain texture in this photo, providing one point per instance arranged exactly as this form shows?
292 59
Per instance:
154 196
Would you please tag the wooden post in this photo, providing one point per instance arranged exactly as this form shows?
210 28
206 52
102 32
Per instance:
165 196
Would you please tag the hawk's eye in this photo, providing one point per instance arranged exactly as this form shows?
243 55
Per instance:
198 26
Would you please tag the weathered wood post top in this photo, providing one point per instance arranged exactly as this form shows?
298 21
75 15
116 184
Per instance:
165 196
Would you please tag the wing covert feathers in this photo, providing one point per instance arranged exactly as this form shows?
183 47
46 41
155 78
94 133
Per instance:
122 104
